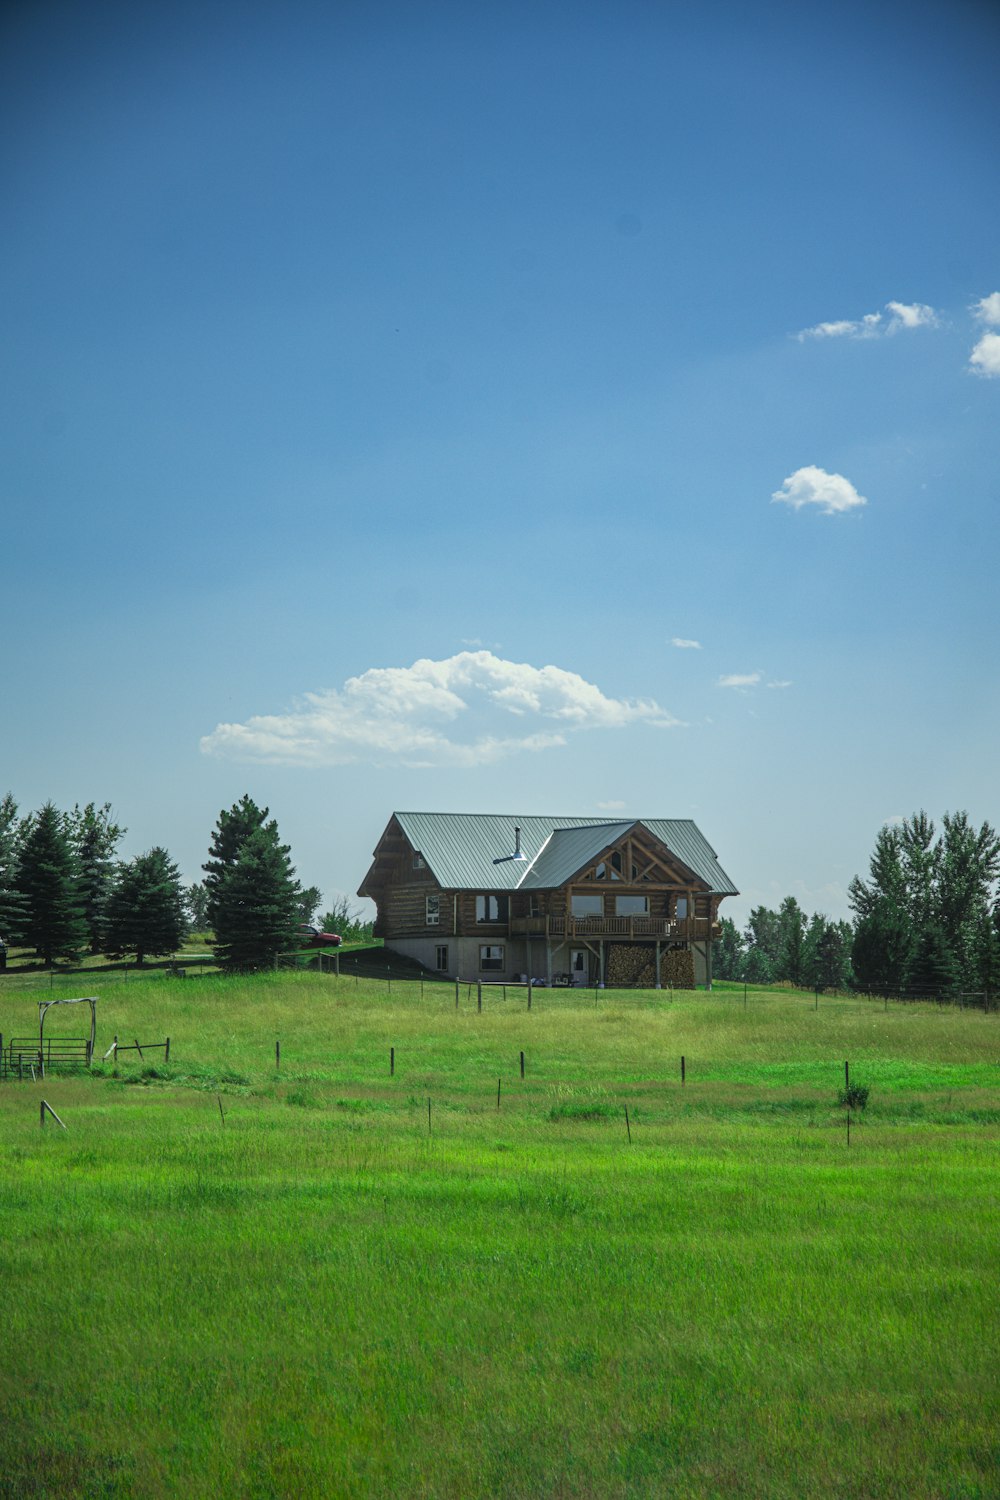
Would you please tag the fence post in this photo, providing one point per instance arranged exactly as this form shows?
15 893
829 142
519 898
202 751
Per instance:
166 1054
522 1064
392 1062
529 991
479 996
683 1070
277 1055
457 983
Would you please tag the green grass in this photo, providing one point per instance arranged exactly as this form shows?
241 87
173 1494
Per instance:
320 1295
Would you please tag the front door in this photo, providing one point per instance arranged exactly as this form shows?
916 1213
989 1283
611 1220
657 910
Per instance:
578 966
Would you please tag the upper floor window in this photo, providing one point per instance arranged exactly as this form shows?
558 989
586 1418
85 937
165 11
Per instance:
631 906
432 906
419 863
491 908
587 906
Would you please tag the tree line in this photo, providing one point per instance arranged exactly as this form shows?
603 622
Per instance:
64 893
926 921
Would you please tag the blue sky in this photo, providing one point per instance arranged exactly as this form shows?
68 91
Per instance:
387 390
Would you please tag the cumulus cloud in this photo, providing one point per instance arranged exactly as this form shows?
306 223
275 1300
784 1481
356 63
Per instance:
404 716
987 310
875 324
683 645
985 357
812 485
740 679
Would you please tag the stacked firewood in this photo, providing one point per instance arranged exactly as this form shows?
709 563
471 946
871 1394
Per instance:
634 967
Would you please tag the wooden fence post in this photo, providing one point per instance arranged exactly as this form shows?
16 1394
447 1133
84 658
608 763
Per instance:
522 1064
628 1126
392 1062
277 1056
682 1070
847 1075
479 996
529 991
166 1053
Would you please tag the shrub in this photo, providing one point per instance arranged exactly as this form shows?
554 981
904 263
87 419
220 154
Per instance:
855 1097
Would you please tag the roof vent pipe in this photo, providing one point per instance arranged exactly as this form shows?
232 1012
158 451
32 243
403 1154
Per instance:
504 858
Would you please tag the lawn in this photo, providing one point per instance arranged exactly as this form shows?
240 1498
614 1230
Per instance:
226 1279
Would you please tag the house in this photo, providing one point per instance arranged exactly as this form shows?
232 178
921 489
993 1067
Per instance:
492 896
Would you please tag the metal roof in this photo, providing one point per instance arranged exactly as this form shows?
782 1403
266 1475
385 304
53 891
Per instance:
460 848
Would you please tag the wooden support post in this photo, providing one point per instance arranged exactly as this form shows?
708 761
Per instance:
137 1047
43 1106
658 985
221 1112
628 1126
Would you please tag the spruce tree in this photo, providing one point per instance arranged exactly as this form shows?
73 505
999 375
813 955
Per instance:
932 969
228 837
257 903
145 911
49 878
12 903
95 836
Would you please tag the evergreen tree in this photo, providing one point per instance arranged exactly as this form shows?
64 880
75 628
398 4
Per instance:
308 902
728 951
763 938
932 969
883 944
196 901
791 955
228 837
145 911
95 836
49 878
256 903
12 903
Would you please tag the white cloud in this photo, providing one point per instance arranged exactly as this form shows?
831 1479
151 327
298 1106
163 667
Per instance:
683 645
910 315
875 324
985 357
740 680
397 716
610 806
779 684
987 309
812 485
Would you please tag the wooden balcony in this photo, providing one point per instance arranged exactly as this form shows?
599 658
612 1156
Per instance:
623 929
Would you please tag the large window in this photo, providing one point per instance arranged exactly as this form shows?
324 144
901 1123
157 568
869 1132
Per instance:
441 958
491 908
587 906
432 908
631 906
491 957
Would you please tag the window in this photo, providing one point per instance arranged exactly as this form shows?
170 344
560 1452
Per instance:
631 906
419 863
491 957
432 908
491 908
441 957
587 906
534 906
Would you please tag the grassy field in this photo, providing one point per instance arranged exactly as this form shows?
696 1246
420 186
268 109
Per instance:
326 1293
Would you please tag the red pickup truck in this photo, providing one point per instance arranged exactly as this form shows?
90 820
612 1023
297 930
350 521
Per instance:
311 937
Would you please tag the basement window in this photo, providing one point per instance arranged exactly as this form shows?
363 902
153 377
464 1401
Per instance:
491 957
441 958
432 908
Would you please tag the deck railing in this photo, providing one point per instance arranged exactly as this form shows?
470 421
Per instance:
678 930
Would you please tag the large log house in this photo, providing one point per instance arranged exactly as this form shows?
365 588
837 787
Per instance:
573 900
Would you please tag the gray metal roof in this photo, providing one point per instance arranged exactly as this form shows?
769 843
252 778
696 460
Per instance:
460 848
